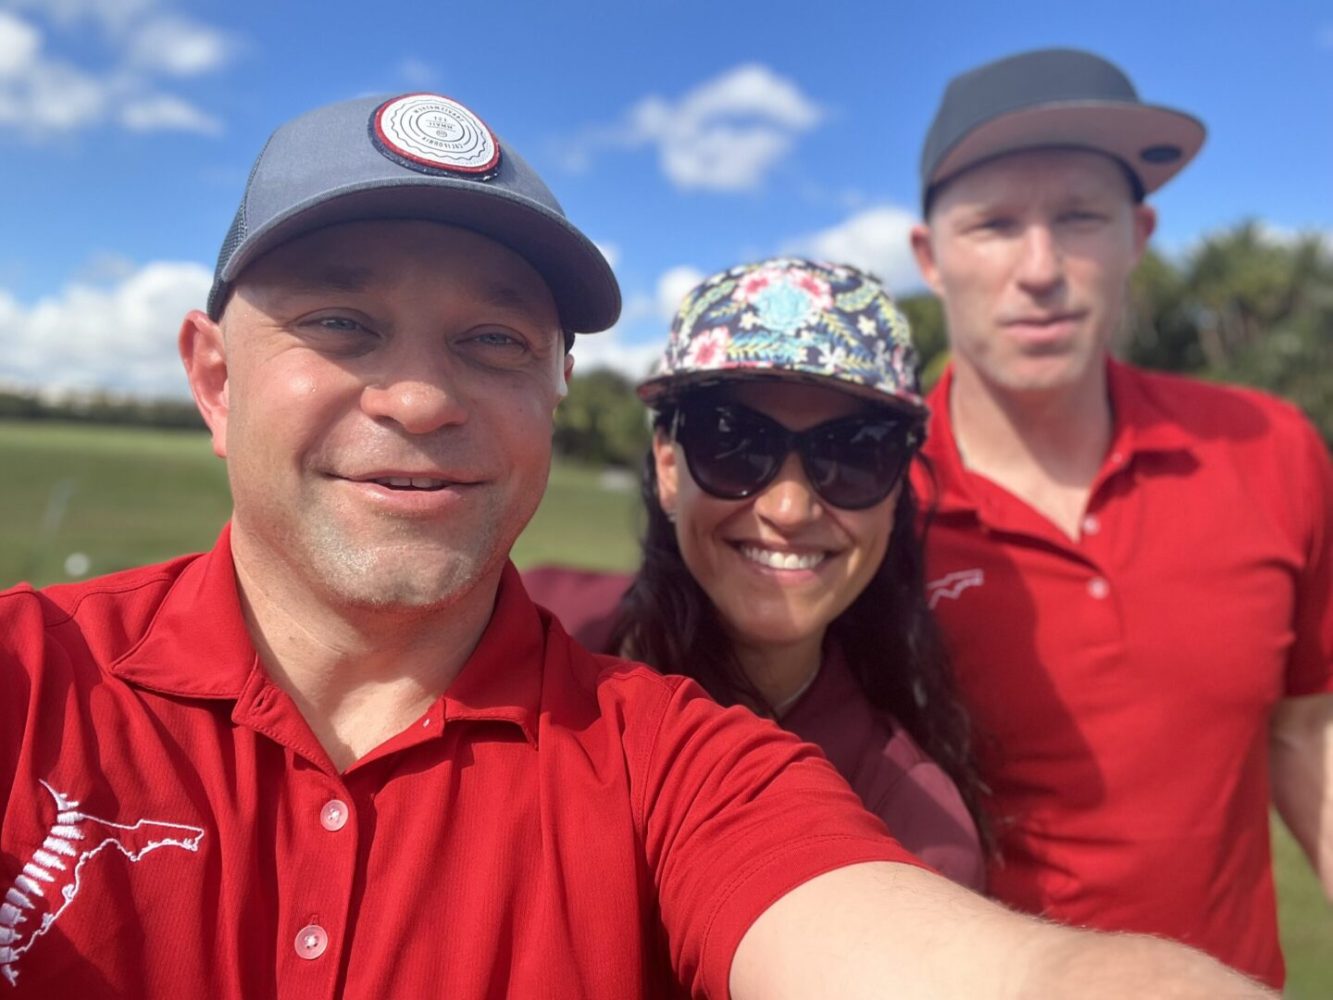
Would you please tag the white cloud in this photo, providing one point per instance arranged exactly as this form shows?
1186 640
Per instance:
50 97
614 349
1283 236
610 350
673 285
121 336
177 47
611 251
105 268
726 134
111 15
43 94
19 43
162 112
875 240
417 72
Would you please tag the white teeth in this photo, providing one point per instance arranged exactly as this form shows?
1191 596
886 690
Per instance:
782 560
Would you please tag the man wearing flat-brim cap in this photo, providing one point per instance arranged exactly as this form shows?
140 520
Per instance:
344 755
1132 569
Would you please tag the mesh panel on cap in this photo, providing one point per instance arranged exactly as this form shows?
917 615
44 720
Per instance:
238 229
235 234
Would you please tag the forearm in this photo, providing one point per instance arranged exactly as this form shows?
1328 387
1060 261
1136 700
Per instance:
1301 767
878 930
1093 966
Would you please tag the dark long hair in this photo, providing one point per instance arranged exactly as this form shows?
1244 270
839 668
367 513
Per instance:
888 637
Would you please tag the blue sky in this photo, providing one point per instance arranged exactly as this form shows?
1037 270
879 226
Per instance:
681 136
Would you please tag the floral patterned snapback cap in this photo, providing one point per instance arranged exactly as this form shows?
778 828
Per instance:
791 319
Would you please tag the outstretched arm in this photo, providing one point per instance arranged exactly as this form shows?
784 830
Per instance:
882 929
1301 768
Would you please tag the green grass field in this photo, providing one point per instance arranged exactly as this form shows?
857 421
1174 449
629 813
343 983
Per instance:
121 498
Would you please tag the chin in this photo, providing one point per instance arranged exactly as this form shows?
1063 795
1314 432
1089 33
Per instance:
383 582
774 631
402 572
1044 375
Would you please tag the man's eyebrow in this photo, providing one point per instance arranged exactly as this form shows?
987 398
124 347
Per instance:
509 297
331 276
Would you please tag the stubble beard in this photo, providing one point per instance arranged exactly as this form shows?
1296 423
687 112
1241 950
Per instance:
398 569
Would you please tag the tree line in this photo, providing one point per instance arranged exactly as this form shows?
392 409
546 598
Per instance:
1244 306
99 407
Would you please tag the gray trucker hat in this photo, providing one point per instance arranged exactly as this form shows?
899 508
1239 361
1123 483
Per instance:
417 156
1060 98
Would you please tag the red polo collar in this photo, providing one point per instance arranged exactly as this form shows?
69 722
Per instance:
1140 427
197 646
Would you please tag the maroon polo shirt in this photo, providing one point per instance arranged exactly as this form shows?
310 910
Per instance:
892 776
556 824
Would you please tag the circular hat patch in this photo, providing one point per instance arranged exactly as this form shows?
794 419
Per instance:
431 133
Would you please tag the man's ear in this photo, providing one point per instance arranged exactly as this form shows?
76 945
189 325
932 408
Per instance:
562 390
924 252
204 353
1145 223
668 472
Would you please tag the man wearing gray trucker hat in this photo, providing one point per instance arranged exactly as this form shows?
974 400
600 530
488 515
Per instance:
1132 570
342 754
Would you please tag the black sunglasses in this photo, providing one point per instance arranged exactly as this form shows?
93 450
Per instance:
733 452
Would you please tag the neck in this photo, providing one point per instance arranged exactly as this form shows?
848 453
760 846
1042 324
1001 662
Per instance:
358 675
780 672
1044 447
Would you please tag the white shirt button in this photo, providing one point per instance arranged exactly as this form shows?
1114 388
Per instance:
1098 588
1091 525
311 941
334 814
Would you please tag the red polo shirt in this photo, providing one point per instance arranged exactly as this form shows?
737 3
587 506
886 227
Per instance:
557 824
1123 681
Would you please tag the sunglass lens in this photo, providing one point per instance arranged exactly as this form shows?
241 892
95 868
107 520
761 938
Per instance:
855 464
729 452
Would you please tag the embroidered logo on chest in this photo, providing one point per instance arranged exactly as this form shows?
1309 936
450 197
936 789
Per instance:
951 585
50 880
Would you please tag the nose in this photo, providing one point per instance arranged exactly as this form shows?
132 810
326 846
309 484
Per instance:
416 391
1041 266
789 501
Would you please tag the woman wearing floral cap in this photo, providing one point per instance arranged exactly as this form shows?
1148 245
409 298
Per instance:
780 566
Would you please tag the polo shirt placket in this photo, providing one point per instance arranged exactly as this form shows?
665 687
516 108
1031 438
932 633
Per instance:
319 806
1084 573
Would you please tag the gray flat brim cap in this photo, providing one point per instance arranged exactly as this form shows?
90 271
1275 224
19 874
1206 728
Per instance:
331 166
1055 98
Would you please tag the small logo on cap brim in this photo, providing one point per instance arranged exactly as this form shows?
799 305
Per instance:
1160 154
434 134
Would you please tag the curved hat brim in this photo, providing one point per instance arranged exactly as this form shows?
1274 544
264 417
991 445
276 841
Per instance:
654 390
581 282
1136 134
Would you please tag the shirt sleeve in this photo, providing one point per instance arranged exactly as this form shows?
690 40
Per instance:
20 630
736 813
1310 670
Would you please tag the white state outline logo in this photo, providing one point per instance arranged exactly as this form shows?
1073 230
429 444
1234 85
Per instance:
57 868
951 585
438 132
